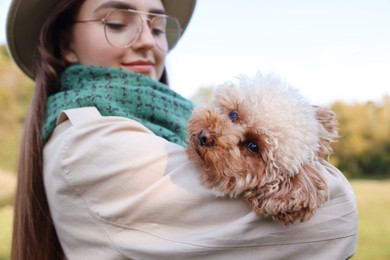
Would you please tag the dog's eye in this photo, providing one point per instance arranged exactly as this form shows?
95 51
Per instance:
252 146
233 116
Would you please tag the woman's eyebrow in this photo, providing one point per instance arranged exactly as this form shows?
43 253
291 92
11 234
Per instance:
157 11
115 5
123 5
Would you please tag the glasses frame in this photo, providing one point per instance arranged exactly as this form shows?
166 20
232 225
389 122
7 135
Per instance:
148 20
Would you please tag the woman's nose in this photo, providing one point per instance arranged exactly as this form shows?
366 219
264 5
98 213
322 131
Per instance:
145 39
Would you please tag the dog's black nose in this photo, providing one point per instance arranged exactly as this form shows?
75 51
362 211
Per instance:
205 138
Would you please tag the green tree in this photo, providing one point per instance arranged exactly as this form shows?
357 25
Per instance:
203 96
15 95
364 147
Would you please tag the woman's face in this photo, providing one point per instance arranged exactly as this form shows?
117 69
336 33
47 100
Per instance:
88 44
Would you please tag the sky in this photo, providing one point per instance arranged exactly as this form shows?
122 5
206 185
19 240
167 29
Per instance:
328 49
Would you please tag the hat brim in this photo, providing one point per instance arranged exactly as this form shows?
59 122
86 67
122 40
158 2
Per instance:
26 17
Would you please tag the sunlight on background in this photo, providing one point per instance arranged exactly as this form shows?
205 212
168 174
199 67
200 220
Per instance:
331 50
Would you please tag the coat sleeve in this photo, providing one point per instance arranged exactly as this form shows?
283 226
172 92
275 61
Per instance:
117 191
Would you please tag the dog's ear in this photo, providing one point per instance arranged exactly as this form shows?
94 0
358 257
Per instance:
290 198
328 131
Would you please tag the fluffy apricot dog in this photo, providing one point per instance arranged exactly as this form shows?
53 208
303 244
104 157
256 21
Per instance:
261 140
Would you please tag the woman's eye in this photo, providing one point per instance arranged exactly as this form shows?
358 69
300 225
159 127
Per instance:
253 147
233 116
157 31
116 26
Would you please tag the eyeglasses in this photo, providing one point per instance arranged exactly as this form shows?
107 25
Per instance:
123 27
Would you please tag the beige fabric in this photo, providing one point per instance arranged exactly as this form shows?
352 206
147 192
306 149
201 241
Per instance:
117 191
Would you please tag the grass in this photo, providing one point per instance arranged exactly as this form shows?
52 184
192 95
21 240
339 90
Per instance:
5 231
373 198
7 188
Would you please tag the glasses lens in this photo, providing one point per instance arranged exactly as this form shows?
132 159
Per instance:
122 28
166 32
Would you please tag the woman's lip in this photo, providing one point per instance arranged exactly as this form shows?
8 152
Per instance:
141 67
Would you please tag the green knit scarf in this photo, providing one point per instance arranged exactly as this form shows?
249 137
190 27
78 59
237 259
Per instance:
117 92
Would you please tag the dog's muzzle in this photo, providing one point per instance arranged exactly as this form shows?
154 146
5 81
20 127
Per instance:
205 138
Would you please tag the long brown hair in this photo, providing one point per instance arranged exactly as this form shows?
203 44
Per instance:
34 236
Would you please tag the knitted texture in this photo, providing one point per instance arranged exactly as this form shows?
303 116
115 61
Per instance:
117 92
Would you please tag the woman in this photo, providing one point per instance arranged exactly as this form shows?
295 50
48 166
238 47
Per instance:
103 173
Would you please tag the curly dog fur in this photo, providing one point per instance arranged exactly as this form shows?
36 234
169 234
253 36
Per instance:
260 141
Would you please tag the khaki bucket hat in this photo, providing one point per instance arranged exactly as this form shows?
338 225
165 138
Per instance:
26 17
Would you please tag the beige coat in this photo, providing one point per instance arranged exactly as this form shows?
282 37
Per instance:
117 191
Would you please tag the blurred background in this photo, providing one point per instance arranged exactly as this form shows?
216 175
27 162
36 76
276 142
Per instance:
336 52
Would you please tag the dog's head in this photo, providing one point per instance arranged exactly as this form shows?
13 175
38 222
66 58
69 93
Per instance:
259 133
